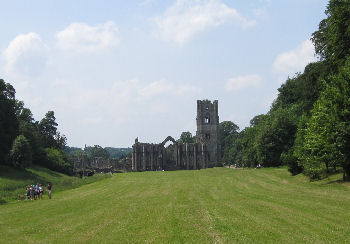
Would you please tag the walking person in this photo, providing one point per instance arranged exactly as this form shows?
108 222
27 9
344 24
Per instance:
49 189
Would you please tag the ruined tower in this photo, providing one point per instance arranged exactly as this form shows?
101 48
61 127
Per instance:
208 128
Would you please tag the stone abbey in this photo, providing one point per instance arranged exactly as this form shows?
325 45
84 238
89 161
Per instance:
204 153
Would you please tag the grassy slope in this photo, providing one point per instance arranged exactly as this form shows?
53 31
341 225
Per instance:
13 181
213 205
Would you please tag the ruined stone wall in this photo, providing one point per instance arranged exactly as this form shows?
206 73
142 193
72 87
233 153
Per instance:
148 156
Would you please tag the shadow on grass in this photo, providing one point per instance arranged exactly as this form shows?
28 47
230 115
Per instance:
339 181
25 174
2 201
17 174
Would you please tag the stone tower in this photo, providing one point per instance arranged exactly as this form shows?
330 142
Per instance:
208 128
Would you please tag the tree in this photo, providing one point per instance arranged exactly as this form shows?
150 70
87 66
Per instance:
332 39
228 132
276 135
186 137
327 136
99 152
57 160
8 120
48 130
21 154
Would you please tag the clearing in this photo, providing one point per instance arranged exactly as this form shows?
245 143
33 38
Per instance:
218 205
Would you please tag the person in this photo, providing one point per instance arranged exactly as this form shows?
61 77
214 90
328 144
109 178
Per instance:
41 191
31 189
28 192
49 189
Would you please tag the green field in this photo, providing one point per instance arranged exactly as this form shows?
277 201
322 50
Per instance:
218 205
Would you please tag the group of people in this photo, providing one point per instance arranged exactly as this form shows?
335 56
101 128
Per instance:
34 192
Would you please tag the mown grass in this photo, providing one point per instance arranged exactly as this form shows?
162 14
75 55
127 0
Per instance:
13 181
217 205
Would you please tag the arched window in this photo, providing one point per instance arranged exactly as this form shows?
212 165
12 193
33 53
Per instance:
206 119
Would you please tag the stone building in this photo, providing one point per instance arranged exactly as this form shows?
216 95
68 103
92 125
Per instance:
208 129
202 154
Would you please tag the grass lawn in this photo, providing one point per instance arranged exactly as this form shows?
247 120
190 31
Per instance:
218 205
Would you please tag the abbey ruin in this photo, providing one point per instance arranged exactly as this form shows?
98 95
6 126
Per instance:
202 154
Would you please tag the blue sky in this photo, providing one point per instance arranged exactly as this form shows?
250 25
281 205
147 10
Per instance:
116 70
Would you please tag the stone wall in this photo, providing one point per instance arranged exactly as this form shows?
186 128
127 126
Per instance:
149 156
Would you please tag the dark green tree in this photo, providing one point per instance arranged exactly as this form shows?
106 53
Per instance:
186 137
57 160
327 136
228 132
50 136
99 152
21 154
8 120
332 39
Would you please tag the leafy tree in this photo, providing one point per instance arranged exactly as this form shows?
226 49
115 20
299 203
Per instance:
48 128
119 152
243 150
327 136
61 140
332 39
98 151
8 120
50 136
21 154
186 137
258 119
57 160
228 132
28 127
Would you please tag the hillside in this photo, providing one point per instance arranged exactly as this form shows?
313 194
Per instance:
205 206
13 181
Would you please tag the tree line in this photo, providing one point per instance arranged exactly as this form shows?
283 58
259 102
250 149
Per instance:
308 125
99 152
24 141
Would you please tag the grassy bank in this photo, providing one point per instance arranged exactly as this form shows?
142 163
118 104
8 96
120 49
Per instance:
217 205
13 181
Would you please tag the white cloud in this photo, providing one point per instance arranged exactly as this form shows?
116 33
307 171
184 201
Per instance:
242 82
164 87
290 62
26 55
186 18
82 37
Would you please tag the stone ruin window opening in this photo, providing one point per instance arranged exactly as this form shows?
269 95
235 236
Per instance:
207 120
170 152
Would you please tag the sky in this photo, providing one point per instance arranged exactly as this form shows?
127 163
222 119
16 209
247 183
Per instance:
116 70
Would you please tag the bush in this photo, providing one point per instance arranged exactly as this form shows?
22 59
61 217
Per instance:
21 154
